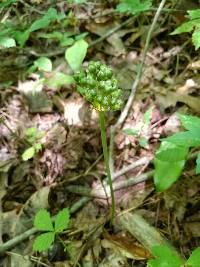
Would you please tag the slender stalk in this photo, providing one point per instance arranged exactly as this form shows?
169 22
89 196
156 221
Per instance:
106 160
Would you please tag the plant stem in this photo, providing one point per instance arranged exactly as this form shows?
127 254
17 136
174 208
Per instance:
106 160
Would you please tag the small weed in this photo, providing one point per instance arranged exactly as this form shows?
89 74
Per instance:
43 222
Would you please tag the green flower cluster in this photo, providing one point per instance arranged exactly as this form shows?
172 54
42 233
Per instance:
99 87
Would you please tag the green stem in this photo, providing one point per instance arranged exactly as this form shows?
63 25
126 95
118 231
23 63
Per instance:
106 160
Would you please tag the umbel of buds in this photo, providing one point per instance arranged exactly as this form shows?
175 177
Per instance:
99 87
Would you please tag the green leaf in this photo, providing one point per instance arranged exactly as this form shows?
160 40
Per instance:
198 164
165 257
189 122
185 27
143 142
134 6
66 41
43 241
59 79
76 54
43 63
194 259
21 37
28 153
166 173
148 115
172 154
7 42
196 38
188 138
38 147
194 14
62 220
131 131
43 221
31 132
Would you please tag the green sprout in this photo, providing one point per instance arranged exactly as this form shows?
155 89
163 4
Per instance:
98 85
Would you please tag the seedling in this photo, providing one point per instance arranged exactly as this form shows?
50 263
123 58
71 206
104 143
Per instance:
43 222
100 88
34 138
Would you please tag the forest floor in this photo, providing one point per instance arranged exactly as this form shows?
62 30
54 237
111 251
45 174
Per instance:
67 170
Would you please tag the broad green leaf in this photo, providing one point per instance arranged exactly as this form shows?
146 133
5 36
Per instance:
185 27
188 138
62 220
43 221
194 259
134 6
131 131
198 164
194 14
43 241
164 257
76 54
166 173
59 79
43 63
7 42
172 154
39 24
148 115
28 153
51 14
189 122
196 38
21 37
66 41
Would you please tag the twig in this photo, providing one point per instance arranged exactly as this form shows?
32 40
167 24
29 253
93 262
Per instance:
129 103
18 239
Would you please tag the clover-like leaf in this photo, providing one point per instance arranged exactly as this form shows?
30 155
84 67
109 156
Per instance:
62 220
43 221
43 241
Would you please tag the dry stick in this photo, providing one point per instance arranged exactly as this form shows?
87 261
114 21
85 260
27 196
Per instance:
18 239
82 190
134 86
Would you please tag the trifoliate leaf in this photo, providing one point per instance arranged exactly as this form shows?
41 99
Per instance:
62 220
165 257
43 63
76 54
194 259
28 153
194 14
43 221
43 241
